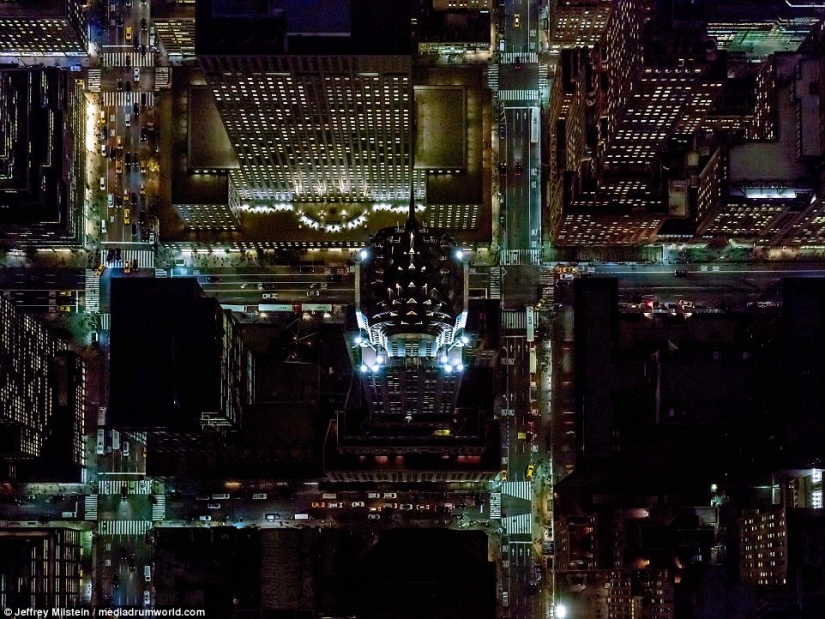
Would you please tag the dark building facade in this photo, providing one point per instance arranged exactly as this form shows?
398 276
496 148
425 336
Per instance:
41 196
35 410
40 568
167 334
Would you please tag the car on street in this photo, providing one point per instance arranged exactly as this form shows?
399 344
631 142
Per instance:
680 272
373 495
137 74
390 495
213 506
126 216
335 505
405 507
318 504
259 495
147 598
373 516
516 21
530 469
205 518
128 33
358 503
272 517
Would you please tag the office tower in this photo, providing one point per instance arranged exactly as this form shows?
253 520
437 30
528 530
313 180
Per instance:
670 146
317 103
405 417
27 396
63 455
174 23
42 157
41 567
37 28
167 334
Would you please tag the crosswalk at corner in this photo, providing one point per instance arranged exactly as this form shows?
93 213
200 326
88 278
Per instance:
159 507
128 59
517 525
518 489
515 57
92 284
90 507
123 527
145 258
112 486
128 99
94 80
495 505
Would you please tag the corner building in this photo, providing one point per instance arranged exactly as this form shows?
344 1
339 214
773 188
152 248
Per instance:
317 104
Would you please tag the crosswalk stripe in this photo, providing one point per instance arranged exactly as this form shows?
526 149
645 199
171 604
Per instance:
511 57
495 282
517 525
123 527
112 486
120 98
119 59
518 489
495 505
514 320
145 258
519 256
90 506
159 507
104 321
492 77
519 95
94 80
92 284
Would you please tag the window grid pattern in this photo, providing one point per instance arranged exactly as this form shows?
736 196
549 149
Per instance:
26 349
39 37
316 128
764 549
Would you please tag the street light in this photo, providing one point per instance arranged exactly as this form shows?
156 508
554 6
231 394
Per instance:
561 611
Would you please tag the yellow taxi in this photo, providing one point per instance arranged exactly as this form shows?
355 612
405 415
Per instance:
503 475
100 268
65 308
128 33
517 20
126 218
118 166
522 436
530 470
